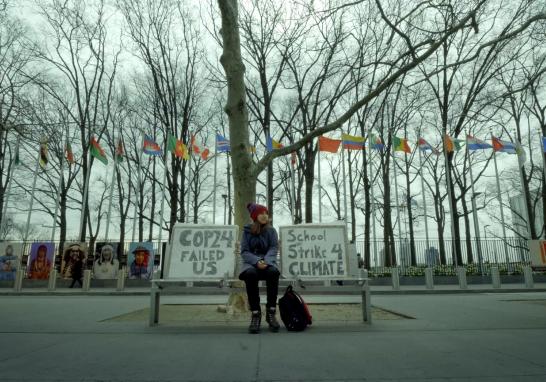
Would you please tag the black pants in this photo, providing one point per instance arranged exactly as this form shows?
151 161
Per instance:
252 276
74 282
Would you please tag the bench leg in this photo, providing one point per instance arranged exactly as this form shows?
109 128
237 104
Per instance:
366 303
154 306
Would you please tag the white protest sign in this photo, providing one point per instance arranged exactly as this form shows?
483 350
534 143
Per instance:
317 251
200 252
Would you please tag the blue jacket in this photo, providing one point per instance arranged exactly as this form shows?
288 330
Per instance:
257 247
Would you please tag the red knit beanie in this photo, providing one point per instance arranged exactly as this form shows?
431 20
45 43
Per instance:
255 210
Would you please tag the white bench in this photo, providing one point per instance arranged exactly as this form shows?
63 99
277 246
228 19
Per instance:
361 285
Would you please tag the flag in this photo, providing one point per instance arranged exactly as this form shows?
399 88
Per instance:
119 151
328 144
376 142
503 146
69 153
473 144
522 156
451 144
151 147
222 144
351 142
43 154
400 144
97 151
177 147
272 144
205 154
293 158
425 146
544 144
194 147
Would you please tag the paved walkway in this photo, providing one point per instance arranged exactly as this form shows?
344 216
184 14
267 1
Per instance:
452 337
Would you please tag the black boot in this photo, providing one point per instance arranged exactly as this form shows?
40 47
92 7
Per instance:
255 321
272 320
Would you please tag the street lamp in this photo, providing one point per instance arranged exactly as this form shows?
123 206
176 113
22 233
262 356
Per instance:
225 207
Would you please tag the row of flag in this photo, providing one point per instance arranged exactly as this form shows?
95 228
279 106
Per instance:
325 144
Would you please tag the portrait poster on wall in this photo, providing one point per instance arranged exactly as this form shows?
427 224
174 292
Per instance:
140 260
72 253
10 258
106 263
40 260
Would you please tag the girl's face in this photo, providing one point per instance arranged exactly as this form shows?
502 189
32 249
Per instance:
263 218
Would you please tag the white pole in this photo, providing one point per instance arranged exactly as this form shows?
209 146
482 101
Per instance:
31 199
137 190
188 193
401 254
319 188
8 192
475 213
344 185
57 199
450 196
214 179
521 166
373 211
110 197
543 153
159 246
292 190
499 198
424 198
85 192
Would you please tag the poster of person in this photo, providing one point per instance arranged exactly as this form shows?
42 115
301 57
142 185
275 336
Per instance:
40 260
72 253
10 257
140 260
106 264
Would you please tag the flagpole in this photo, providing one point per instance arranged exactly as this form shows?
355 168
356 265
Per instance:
344 184
57 200
32 198
214 179
85 191
521 166
8 191
450 196
109 214
475 212
189 182
499 198
137 190
319 187
424 197
402 260
292 189
373 210
543 151
159 244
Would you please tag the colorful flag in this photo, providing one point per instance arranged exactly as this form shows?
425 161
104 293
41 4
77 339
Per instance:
272 144
119 151
69 153
43 154
425 146
194 147
328 144
222 144
97 151
451 144
473 144
151 147
293 158
503 146
544 144
377 143
177 147
351 142
400 144
205 154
